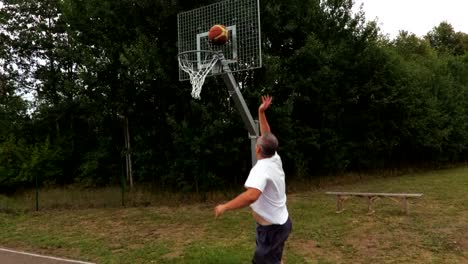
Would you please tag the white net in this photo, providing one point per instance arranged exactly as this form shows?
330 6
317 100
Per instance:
197 64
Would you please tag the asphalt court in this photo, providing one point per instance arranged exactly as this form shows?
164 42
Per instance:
10 256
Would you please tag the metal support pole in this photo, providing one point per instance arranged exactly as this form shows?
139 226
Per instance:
234 92
253 143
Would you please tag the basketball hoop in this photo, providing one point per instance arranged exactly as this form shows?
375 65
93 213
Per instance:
197 64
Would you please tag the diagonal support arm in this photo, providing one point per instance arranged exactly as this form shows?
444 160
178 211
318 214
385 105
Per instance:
234 92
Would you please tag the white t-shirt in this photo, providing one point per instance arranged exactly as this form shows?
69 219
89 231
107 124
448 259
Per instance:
268 177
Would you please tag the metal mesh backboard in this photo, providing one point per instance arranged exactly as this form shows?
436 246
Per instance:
242 19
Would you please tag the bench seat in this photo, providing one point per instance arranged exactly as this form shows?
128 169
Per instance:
401 198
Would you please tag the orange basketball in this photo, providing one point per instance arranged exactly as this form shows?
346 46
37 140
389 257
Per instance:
218 35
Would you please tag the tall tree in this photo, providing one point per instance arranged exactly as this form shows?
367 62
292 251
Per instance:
443 38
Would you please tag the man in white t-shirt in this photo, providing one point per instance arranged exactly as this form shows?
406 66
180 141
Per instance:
266 195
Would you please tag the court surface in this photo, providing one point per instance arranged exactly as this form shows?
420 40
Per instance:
10 256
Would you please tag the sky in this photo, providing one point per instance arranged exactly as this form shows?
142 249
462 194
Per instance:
415 16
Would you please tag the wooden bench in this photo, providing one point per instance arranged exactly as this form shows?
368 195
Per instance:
401 198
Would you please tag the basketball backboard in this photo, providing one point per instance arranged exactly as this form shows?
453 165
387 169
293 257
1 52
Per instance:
242 19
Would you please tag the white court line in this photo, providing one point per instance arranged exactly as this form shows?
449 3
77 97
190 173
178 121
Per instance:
46 257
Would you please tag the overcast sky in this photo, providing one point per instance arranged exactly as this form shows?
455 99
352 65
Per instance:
416 16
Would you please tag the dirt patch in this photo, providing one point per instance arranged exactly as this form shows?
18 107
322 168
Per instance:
312 250
462 242
369 244
308 247
460 233
386 239
180 236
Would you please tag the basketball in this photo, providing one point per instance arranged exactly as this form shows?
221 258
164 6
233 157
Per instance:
218 35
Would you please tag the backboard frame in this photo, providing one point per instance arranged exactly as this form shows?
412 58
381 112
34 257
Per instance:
241 17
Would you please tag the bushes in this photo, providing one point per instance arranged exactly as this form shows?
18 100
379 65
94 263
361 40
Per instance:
345 98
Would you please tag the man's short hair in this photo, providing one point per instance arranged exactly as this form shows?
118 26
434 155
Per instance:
268 144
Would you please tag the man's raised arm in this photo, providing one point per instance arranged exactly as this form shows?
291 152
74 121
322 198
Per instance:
264 127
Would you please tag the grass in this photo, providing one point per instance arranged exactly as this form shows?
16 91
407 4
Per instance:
168 228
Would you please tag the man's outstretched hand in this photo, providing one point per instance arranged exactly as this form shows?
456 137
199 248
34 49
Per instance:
219 210
266 102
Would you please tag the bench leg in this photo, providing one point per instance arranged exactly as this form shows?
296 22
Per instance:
405 205
339 203
370 200
403 201
369 206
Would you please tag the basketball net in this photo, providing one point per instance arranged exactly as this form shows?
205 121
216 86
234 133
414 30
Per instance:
197 64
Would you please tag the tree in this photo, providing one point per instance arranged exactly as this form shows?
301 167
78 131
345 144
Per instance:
444 39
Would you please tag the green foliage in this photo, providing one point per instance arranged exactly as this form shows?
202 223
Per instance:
22 163
444 39
45 161
345 98
13 155
434 103
90 169
200 161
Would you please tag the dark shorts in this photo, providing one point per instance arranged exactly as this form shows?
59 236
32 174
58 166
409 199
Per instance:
270 243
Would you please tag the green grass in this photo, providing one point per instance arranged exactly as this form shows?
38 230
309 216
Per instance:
164 229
